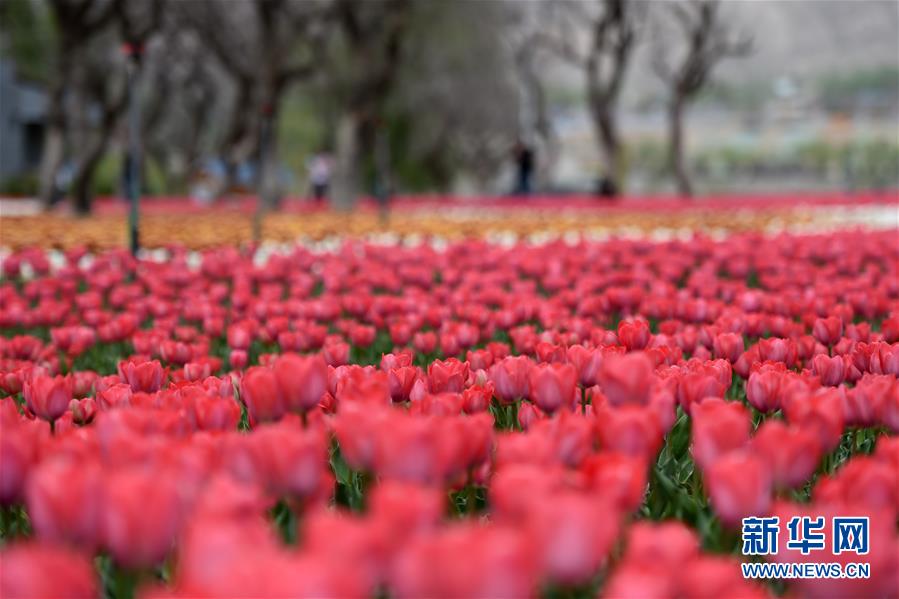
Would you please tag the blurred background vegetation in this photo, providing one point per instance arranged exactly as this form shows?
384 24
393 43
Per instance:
457 85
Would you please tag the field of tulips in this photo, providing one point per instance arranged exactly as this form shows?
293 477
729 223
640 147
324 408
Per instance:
573 418
168 221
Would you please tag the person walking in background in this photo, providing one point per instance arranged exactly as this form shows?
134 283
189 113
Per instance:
524 163
320 168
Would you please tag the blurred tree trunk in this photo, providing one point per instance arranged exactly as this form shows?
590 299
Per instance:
707 40
265 46
55 132
240 137
346 162
93 150
77 23
612 43
269 183
676 146
611 148
82 194
52 157
374 33
613 31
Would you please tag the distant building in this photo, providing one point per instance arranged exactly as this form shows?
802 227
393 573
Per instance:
23 110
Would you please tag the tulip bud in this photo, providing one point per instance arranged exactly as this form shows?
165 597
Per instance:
83 410
238 359
828 330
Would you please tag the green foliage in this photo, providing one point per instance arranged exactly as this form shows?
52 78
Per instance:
29 35
25 184
839 91
108 177
302 131
649 158
862 163
746 96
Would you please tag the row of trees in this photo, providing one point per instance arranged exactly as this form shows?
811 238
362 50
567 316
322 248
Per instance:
687 40
449 86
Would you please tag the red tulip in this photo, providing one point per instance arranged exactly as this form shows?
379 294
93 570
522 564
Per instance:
666 544
397 360
363 336
216 414
302 381
528 414
63 501
587 363
11 382
238 359
863 480
449 375
728 346
261 393
18 450
401 381
48 397
828 330
791 453
885 360
553 386
777 350
500 563
618 476
196 371
175 352
739 486
83 410
830 370
510 378
574 533
145 376
821 413
140 516
239 337
639 580
83 382
43 570
286 460
405 509
356 428
709 576
117 395
719 427
425 342
763 389
626 379
550 352
479 359
634 334
866 403
696 386
477 398
631 430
